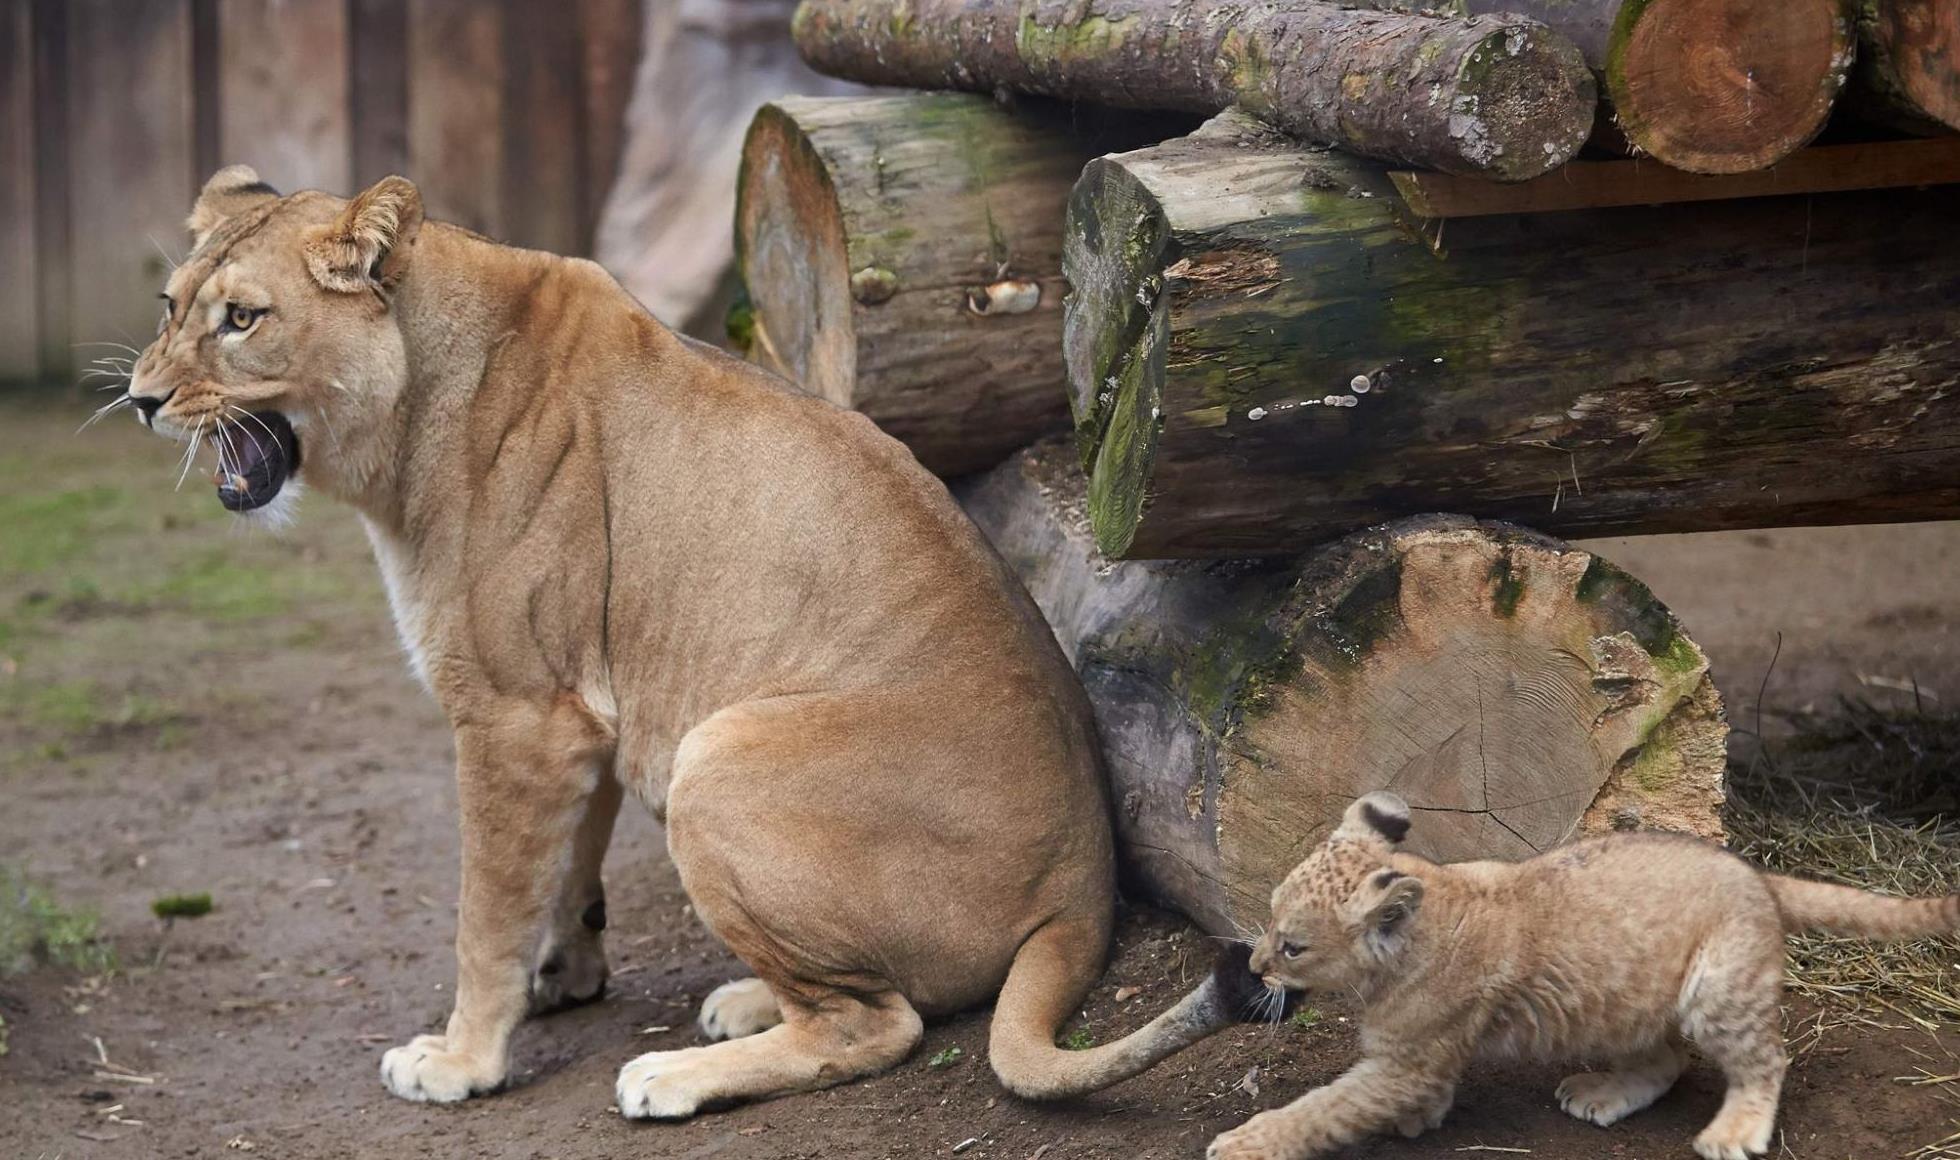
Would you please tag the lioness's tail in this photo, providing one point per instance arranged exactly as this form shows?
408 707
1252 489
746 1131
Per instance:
1847 910
1048 979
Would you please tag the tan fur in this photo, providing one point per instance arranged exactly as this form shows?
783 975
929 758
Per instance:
1619 949
622 560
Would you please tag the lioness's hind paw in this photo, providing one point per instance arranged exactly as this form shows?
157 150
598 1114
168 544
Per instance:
426 1071
738 1009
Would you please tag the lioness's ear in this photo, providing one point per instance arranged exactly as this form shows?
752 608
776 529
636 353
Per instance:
368 246
231 191
1384 902
1380 816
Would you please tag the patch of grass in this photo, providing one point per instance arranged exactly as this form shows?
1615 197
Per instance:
1078 1040
1863 797
946 1058
191 906
76 708
1307 1017
36 930
47 529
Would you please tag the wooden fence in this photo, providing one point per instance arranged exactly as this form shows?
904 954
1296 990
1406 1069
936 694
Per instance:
507 113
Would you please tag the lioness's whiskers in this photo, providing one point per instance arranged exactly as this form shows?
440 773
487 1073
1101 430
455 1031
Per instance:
190 453
103 411
133 352
163 253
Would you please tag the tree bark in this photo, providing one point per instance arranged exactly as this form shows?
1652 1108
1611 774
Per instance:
1908 72
1710 86
1263 353
1513 689
903 257
1500 97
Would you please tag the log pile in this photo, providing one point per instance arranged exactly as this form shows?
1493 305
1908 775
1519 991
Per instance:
1373 287
1263 353
1515 690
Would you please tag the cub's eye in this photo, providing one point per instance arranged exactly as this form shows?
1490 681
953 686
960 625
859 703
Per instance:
1292 950
239 319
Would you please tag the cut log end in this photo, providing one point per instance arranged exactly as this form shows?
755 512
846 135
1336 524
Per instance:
1524 103
1516 691
1726 86
1496 680
1909 62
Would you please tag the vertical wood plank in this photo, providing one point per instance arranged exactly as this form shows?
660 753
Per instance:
20 358
129 160
544 119
609 34
379 97
282 91
207 147
455 111
51 258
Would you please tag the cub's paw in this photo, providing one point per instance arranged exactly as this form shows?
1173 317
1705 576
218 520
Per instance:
570 973
1734 1141
1256 1139
1601 1097
739 1008
426 1071
664 1085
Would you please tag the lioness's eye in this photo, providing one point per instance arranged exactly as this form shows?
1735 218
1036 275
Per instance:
240 318
1292 950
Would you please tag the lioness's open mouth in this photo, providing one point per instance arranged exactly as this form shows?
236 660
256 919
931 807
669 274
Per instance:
256 455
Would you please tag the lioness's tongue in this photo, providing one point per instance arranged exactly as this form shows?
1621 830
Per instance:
260 452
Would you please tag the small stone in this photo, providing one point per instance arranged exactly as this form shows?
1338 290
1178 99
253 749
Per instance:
1125 994
963 1145
1360 385
1256 414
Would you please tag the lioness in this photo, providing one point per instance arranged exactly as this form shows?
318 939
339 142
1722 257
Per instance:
621 560
1618 949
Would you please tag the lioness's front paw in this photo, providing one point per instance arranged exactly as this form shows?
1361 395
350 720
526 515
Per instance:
426 1071
1256 1139
664 1085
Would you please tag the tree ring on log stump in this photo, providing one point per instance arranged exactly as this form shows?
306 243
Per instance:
1726 86
1513 690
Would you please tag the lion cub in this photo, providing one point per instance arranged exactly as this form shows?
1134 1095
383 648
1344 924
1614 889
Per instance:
1618 949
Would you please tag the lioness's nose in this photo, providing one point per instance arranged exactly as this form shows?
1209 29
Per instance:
149 405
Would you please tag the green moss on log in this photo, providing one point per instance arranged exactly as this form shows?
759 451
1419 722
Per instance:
1629 602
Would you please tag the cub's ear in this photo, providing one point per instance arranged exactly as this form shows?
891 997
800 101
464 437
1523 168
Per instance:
1384 902
1380 816
368 246
231 191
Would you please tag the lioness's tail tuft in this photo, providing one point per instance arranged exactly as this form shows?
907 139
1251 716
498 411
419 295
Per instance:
1847 910
1044 985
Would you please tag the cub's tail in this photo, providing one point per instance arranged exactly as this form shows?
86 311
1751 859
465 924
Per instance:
1822 906
1051 972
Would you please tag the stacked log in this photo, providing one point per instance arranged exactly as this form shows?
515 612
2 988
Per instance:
1709 86
1515 690
1496 96
903 257
1263 353
1908 72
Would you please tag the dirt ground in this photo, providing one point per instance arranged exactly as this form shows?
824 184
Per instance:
186 706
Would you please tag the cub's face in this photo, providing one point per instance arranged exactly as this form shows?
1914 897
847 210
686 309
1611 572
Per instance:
1343 914
277 346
